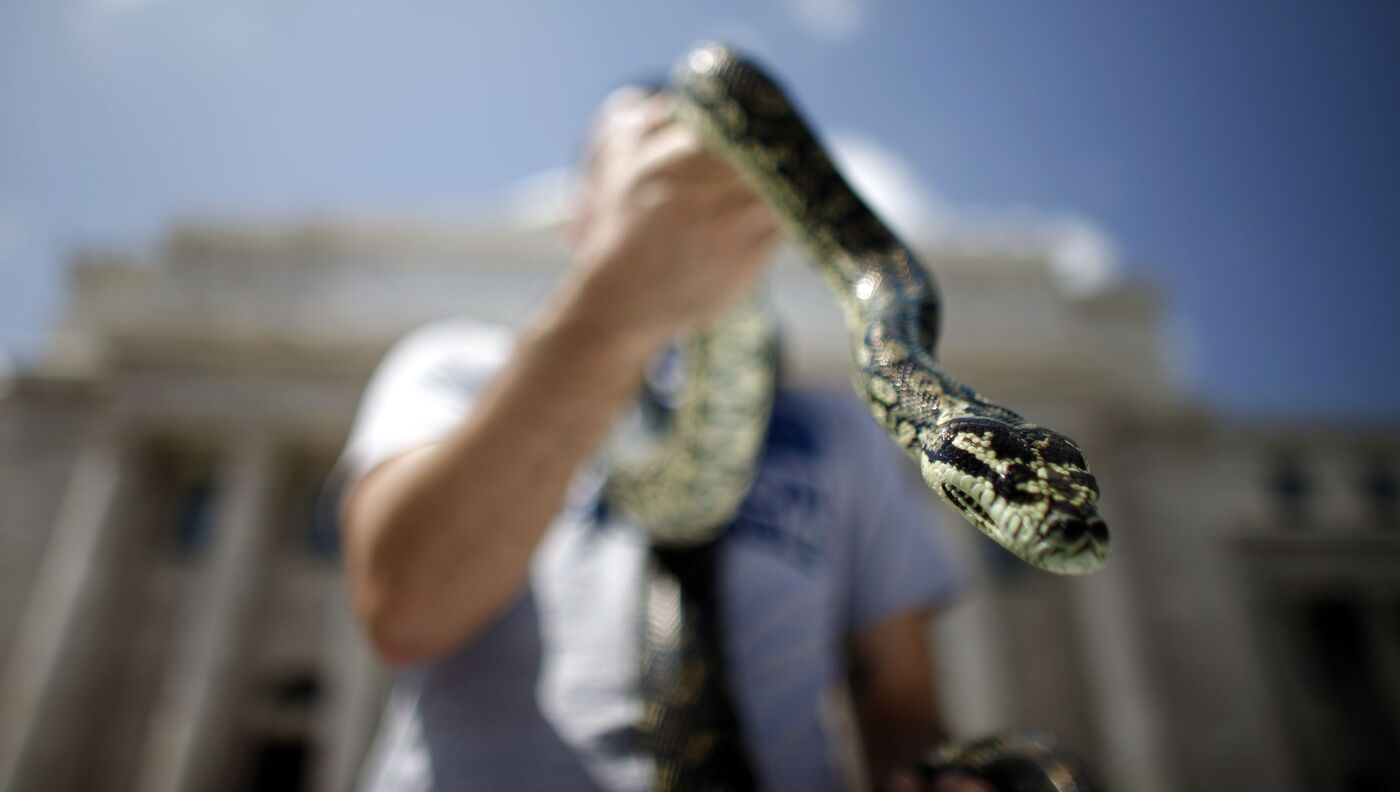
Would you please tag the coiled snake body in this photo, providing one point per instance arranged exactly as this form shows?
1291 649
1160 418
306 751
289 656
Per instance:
1026 487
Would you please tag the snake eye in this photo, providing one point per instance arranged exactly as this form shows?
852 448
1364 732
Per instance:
1012 485
1062 452
1009 482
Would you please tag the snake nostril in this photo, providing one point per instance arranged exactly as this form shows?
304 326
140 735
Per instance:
1071 529
1098 529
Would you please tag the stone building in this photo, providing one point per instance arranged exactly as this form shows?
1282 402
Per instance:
171 616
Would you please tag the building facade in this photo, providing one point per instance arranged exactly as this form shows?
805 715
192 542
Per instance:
172 617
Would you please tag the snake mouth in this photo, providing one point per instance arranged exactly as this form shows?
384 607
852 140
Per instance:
1082 545
969 506
1079 530
1068 543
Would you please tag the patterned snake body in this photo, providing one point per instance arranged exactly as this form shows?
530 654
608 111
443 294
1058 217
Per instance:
1026 487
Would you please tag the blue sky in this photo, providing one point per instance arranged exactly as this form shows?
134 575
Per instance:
1247 160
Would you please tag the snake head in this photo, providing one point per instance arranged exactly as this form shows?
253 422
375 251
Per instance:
1026 487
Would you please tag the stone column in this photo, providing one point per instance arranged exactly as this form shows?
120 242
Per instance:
67 577
1383 642
972 674
354 706
1338 502
1116 679
192 706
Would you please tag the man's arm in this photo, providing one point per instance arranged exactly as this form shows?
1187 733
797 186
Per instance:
895 701
892 689
438 539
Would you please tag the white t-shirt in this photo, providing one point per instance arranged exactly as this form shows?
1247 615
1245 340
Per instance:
836 534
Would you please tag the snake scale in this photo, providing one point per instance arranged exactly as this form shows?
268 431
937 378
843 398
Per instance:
1026 487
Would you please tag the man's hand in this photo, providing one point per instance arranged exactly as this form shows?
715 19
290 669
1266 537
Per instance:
667 232
892 688
909 782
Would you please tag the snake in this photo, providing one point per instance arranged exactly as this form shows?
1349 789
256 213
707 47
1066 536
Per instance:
1026 487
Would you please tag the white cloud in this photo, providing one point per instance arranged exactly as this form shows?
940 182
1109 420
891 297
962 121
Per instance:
887 183
1081 254
882 177
829 19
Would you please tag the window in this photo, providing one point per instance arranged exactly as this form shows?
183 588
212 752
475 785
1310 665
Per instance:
1290 490
1345 723
280 764
309 508
193 514
280 742
183 496
299 689
1381 491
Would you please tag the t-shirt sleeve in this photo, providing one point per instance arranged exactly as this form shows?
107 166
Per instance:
423 389
899 559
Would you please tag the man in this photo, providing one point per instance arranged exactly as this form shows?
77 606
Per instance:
484 565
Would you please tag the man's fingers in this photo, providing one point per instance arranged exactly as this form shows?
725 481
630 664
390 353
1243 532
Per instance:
660 113
755 220
620 100
668 149
960 783
741 208
623 113
731 189
680 154
629 120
